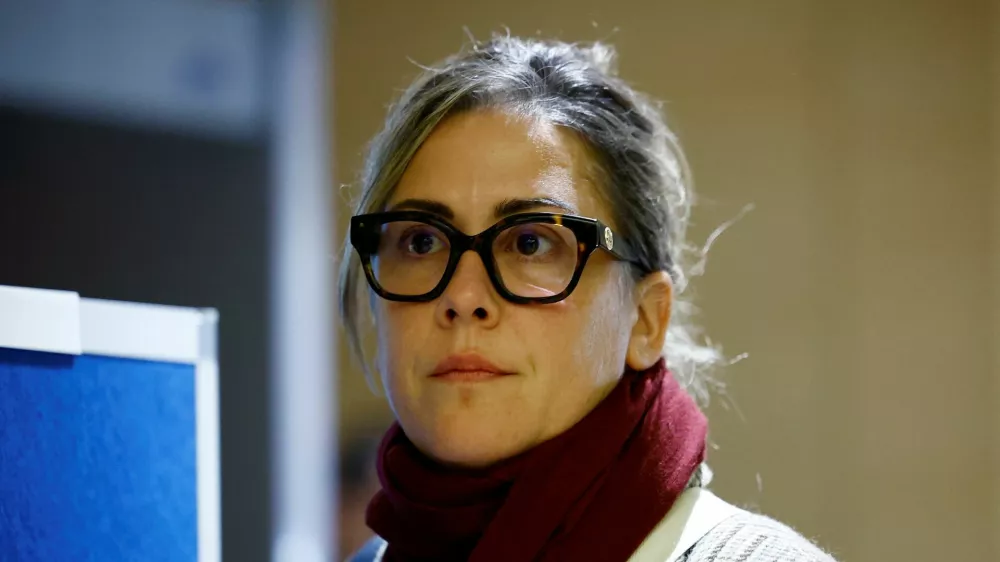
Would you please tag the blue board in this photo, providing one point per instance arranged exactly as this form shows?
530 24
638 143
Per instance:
97 459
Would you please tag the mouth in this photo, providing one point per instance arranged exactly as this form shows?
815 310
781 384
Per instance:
467 367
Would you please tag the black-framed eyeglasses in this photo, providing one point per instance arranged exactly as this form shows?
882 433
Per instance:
410 256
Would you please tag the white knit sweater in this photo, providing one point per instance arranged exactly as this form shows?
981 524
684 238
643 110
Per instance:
748 537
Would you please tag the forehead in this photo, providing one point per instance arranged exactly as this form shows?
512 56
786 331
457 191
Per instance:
475 161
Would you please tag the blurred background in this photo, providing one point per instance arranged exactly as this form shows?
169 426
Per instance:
197 153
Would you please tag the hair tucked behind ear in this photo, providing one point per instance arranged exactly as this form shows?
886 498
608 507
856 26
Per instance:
639 164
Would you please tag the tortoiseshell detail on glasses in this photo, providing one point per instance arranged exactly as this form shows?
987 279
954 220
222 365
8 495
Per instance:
590 235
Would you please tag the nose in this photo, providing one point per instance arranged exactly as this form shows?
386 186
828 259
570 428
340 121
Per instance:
469 296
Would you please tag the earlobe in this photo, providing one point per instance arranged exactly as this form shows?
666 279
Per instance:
653 299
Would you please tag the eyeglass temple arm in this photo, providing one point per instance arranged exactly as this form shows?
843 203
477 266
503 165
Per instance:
614 244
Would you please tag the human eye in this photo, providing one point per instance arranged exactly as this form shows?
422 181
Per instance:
420 240
530 242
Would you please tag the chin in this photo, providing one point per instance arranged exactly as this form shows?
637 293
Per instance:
465 445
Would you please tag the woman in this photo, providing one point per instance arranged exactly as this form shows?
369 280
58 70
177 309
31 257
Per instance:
521 231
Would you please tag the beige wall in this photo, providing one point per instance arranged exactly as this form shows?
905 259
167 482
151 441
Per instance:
908 157
996 271
861 285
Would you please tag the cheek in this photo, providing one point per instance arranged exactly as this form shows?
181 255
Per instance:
403 331
587 332
600 320
401 328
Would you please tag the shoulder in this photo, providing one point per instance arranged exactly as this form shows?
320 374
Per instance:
370 552
749 537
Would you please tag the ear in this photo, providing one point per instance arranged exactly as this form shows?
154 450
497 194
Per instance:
653 297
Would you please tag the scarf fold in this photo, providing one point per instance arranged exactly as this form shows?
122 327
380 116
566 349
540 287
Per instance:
592 493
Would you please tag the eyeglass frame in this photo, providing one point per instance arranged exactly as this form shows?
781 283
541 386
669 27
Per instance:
591 234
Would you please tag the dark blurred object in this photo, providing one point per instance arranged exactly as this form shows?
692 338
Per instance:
358 483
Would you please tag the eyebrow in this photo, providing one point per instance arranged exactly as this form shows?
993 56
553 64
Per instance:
428 205
509 207
502 209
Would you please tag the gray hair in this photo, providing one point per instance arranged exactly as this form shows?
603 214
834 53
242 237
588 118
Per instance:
639 164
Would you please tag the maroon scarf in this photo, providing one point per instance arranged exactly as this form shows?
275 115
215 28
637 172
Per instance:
592 493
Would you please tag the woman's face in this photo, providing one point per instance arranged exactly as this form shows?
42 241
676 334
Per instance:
559 359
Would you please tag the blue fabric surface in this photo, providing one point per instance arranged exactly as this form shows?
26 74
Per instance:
97 459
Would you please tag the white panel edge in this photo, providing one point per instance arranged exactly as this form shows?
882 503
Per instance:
207 431
141 331
40 320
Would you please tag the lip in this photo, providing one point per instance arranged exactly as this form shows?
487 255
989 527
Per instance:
467 367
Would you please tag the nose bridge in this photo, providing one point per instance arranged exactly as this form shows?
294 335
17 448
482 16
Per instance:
470 293
471 267
479 244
